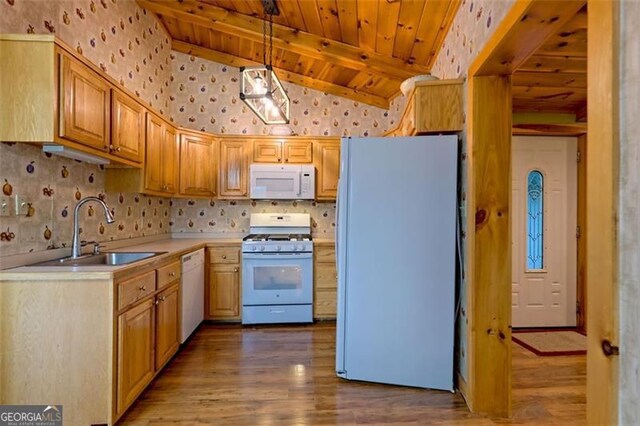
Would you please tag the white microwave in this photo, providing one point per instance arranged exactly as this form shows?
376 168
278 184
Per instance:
282 181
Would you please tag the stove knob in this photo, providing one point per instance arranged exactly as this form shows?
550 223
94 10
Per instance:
261 248
294 248
254 248
278 248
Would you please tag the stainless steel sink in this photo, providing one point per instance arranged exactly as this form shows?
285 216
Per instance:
112 259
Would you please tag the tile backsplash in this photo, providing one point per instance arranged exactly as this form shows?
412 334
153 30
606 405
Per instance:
201 216
53 185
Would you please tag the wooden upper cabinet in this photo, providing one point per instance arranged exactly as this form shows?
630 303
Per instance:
432 107
298 151
234 168
267 151
439 106
198 165
170 159
127 127
154 178
161 160
282 151
84 105
327 162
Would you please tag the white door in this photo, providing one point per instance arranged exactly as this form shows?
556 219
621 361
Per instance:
544 198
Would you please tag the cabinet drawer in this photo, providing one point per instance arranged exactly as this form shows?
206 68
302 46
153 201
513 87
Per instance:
136 288
325 276
324 304
168 274
325 254
224 254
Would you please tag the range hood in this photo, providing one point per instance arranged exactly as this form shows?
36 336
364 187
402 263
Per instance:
74 154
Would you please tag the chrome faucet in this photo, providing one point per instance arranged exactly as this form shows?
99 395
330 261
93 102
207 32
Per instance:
76 249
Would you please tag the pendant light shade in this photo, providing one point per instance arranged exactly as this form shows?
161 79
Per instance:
261 90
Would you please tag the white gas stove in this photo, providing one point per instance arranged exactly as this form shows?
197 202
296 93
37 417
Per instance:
277 269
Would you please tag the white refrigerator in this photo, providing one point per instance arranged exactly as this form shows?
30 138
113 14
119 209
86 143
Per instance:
396 253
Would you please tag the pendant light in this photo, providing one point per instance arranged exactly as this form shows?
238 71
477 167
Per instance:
260 88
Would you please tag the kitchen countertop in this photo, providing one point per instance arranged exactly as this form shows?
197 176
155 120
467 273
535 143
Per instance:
172 246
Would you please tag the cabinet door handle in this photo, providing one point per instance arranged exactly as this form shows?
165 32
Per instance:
157 302
172 274
235 269
286 160
143 287
118 149
279 159
224 256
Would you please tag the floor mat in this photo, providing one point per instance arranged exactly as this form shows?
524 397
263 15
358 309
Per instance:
551 342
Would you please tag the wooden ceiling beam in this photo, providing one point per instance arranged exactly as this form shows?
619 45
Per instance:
291 77
549 79
576 129
581 113
303 43
514 45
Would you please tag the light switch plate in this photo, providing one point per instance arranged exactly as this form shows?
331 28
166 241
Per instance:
22 206
4 207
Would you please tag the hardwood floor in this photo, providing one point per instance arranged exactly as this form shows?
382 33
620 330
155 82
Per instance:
228 375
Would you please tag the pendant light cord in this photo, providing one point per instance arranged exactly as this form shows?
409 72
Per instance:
270 39
264 38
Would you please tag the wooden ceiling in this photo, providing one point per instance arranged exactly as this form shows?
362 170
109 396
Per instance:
359 49
554 79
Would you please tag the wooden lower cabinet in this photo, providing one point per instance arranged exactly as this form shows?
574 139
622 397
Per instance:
223 290
147 329
325 281
136 365
167 325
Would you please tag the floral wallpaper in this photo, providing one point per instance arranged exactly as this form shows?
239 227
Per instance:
233 216
206 98
120 37
53 185
474 23
133 48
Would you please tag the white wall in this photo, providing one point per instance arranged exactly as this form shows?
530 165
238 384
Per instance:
629 208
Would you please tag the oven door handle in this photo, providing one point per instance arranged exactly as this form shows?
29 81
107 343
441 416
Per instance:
274 256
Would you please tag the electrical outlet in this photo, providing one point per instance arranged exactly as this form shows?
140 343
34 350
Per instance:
4 207
22 206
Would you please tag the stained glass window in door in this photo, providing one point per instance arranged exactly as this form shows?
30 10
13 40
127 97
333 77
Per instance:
535 220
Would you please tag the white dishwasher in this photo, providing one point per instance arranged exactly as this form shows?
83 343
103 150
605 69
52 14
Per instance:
192 292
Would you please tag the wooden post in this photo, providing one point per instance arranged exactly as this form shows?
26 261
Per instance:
489 245
581 284
602 205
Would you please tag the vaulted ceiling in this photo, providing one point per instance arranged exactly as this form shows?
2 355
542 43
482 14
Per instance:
359 49
554 79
